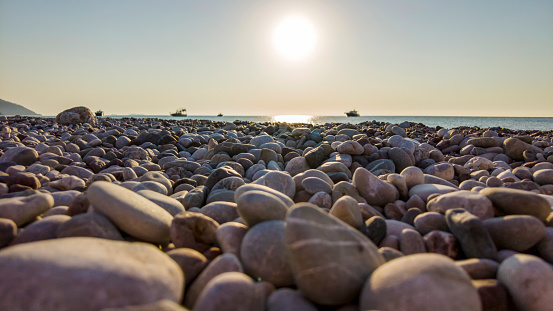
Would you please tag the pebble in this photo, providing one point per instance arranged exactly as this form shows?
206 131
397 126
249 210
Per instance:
89 225
518 272
403 284
93 267
231 289
471 233
515 232
372 189
518 202
25 209
473 202
193 230
190 261
131 212
257 206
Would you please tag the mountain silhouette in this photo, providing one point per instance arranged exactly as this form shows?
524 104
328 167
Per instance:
9 108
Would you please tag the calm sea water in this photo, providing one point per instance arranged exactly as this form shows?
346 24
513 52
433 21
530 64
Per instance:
514 123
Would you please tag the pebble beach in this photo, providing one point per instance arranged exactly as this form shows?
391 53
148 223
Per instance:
151 214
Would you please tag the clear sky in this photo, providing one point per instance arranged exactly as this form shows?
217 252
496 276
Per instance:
403 57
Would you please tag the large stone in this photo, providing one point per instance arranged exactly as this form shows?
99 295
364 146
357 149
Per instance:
44 229
347 210
279 181
89 225
425 190
221 264
76 115
172 206
86 274
329 259
264 256
473 202
405 283
20 155
8 230
258 206
545 245
231 290
479 268
515 232
518 202
229 237
220 211
248 187
471 233
288 299
130 212
190 261
442 170
529 281
372 189
193 230
381 166
515 148
24 209
401 159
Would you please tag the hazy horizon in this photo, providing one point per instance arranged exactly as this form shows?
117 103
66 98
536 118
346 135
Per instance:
428 58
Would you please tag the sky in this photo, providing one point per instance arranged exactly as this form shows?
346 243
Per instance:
403 57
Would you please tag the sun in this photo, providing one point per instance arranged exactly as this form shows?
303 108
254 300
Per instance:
295 38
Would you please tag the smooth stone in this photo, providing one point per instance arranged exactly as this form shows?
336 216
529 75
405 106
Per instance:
297 166
399 182
44 229
440 242
395 227
313 185
321 199
171 205
545 245
8 231
221 212
298 179
347 210
529 281
195 197
391 241
390 253
493 295
425 190
130 212
161 305
484 142
473 202
263 254
89 225
400 158
430 221
190 261
92 267
279 181
372 189
151 185
64 198
478 163
231 289
25 209
221 264
248 187
543 177
229 237
516 232
413 176
431 179
479 268
410 215
442 170
193 230
20 155
518 202
344 188
288 299
415 201
404 284
350 147
475 240
375 229
220 174
514 148
411 242
229 183
330 261
381 166
258 206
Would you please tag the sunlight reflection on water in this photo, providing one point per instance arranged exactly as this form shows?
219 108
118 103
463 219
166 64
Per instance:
293 118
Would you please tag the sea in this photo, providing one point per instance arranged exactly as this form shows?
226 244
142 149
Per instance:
513 123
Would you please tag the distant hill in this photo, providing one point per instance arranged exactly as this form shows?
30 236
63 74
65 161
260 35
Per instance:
8 108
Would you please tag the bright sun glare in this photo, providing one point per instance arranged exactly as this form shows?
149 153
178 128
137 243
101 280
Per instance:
295 38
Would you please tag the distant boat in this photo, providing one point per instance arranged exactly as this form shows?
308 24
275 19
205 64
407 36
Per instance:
220 114
352 113
180 113
99 113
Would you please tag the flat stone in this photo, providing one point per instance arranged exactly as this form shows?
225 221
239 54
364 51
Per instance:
44 229
25 209
258 206
130 212
314 184
93 267
372 189
518 202
518 272
221 212
330 260
404 284
442 170
425 190
430 221
171 205
471 233
89 225
263 254
381 166
516 232
473 202
20 155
